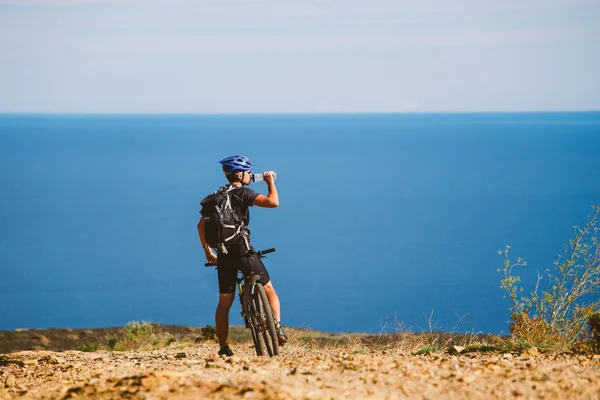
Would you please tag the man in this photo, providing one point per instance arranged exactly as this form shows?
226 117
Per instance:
237 169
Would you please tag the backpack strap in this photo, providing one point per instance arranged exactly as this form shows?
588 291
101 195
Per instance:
240 231
225 189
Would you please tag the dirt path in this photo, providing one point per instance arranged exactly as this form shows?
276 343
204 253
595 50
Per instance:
195 372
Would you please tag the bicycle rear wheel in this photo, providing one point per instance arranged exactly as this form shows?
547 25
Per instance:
252 315
266 320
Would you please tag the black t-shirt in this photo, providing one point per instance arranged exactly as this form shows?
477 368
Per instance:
242 198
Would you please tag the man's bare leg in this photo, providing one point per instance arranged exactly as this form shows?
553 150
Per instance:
273 300
222 316
276 308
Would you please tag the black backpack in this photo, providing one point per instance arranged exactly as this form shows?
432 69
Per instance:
222 224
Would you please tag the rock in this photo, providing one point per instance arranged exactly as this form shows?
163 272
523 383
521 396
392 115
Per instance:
50 360
181 354
492 366
468 378
540 378
213 365
10 381
456 350
531 352
65 368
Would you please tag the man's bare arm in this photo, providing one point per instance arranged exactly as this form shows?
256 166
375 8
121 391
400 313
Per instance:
272 199
210 256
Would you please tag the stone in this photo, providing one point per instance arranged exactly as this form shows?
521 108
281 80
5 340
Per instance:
50 360
531 352
456 350
10 381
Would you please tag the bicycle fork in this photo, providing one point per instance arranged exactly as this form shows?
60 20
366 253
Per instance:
244 312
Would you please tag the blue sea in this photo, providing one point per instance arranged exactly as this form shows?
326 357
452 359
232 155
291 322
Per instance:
385 222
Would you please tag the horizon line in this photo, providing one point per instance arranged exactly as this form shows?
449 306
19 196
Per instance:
44 113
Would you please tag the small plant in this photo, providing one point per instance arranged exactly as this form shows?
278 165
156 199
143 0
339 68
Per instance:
594 325
138 330
111 341
91 347
428 350
354 344
480 347
137 336
559 316
432 336
168 340
392 325
209 332
395 335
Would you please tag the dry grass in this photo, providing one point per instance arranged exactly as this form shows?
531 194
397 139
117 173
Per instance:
100 338
141 337
405 343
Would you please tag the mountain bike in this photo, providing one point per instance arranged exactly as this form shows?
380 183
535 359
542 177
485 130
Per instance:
256 309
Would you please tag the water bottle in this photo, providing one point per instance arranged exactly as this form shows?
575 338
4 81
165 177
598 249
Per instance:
259 177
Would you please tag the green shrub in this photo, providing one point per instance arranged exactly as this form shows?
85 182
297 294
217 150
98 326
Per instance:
140 336
111 341
594 325
481 347
137 336
428 350
558 316
91 347
168 340
138 330
209 332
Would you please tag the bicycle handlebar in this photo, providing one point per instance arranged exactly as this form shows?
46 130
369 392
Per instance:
260 253
267 251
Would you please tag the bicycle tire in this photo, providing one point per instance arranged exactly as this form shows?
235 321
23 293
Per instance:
267 319
252 315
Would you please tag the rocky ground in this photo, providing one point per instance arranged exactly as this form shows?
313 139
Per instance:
300 372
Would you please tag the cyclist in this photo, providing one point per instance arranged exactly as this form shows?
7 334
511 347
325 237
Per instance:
237 170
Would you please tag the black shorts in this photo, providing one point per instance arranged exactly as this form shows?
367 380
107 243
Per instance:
230 263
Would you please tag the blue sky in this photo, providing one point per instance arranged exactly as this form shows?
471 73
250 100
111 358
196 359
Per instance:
310 56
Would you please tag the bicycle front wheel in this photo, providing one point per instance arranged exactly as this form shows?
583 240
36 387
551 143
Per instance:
266 320
252 315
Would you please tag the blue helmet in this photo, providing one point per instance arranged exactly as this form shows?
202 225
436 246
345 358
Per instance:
236 163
